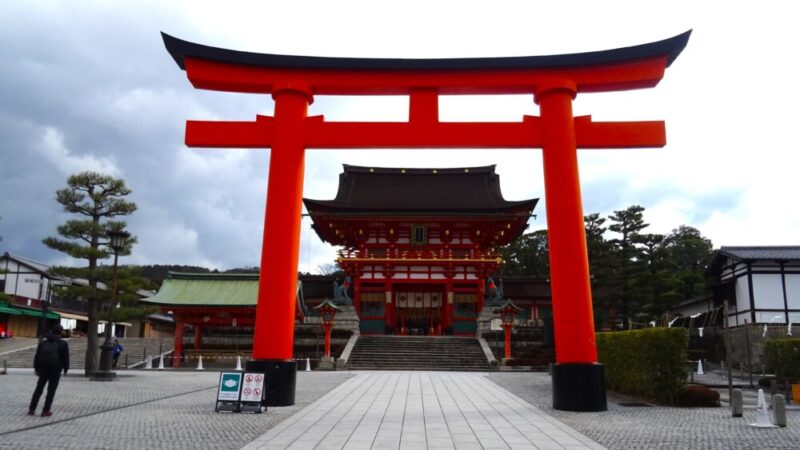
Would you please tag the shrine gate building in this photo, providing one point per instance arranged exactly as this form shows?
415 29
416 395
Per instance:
419 244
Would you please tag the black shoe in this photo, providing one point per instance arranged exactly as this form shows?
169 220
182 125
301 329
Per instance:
31 412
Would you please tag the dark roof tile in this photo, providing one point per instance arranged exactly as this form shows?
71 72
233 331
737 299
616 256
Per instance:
456 190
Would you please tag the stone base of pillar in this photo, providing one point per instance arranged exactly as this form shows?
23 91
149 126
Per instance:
280 379
326 363
579 387
102 375
505 361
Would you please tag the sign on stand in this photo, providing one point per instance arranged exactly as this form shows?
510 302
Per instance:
230 386
252 392
240 392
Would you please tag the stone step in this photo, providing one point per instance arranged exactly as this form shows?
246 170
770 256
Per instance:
417 353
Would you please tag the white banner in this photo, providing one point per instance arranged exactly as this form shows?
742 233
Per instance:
252 387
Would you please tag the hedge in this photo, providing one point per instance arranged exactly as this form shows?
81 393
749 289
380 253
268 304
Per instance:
650 362
784 356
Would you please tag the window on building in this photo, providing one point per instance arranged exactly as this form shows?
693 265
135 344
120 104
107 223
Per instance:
419 235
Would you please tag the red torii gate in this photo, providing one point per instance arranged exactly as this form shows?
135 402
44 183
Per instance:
554 81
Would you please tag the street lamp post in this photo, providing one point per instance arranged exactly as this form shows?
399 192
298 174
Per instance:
328 312
117 243
507 312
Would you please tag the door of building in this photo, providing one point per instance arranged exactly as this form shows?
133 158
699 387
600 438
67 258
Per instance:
419 314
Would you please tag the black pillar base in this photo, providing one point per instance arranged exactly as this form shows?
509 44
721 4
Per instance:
579 387
280 378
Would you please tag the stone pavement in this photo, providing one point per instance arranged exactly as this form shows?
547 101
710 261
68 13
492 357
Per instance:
142 410
414 410
175 410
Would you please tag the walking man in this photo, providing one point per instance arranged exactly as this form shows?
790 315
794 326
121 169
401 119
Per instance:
52 357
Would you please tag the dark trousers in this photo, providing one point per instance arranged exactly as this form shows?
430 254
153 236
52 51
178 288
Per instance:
50 377
114 360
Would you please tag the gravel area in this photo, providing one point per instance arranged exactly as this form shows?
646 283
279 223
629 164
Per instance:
657 427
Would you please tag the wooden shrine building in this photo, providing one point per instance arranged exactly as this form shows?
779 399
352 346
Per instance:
419 244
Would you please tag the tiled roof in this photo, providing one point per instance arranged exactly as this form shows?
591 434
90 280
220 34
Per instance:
779 253
459 190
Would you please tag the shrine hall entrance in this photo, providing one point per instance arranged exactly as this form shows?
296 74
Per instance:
419 313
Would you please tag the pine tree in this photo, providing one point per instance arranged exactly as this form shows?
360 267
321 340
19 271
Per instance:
627 258
599 253
98 198
690 253
527 256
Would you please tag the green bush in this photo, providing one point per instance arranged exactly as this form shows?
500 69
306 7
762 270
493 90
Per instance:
650 362
784 356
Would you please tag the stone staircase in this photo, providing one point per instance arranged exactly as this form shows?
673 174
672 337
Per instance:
23 358
418 353
133 348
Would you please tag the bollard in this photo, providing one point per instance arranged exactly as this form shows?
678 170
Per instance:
200 362
308 364
779 410
238 363
161 362
149 364
700 367
737 403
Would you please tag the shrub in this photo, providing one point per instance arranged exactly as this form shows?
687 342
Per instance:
649 362
696 395
784 356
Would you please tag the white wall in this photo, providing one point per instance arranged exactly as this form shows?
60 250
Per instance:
768 291
793 290
23 281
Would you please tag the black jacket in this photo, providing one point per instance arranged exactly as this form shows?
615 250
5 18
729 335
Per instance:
63 353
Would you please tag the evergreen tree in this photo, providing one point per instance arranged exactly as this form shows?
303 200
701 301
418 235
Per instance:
128 304
599 253
690 253
657 281
527 256
627 259
97 198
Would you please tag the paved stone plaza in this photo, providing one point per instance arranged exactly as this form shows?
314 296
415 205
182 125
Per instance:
175 410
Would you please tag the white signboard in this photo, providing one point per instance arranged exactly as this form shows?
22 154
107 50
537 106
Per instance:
252 387
496 324
229 383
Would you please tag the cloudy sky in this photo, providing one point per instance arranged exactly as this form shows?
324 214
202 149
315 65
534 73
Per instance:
87 85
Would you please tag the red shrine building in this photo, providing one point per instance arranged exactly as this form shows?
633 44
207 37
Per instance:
419 244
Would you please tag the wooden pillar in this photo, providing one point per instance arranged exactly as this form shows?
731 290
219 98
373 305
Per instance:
274 324
198 337
389 309
569 263
178 346
578 381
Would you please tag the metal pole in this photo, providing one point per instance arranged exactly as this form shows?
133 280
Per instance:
749 351
45 303
107 349
728 349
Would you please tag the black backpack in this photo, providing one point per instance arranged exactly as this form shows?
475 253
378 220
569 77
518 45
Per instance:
48 354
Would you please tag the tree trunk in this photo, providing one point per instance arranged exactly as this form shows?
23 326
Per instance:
90 365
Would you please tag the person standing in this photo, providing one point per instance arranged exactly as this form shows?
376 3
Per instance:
52 357
117 352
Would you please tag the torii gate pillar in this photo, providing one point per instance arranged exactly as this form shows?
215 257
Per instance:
578 381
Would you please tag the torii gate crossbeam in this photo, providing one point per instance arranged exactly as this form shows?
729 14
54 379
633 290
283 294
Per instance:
553 81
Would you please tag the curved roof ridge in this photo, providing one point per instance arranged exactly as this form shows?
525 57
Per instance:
180 49
419 170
